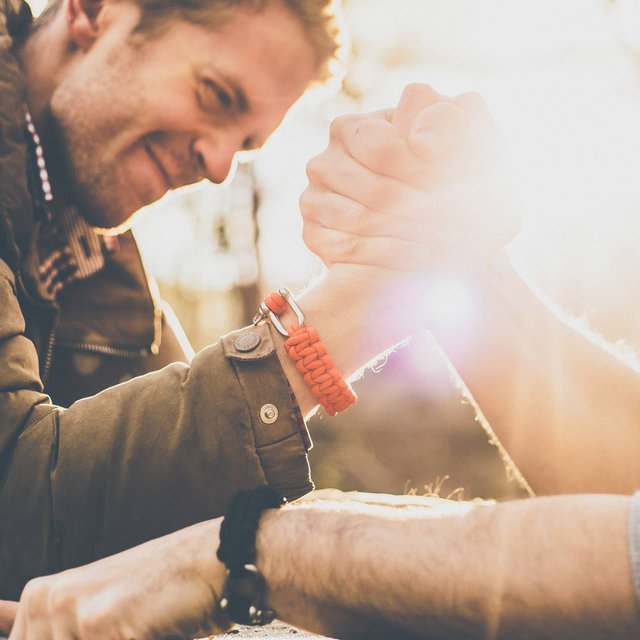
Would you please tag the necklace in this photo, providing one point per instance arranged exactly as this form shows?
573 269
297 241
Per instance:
42 165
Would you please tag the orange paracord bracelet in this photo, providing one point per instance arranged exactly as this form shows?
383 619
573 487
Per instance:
309 354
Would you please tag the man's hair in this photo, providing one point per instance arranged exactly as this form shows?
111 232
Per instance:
320 20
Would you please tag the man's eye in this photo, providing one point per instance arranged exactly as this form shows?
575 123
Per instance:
213 96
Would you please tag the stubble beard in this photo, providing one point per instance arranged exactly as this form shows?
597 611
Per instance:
86 114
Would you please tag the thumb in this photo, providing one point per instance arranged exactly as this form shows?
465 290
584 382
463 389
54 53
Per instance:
436 130
415 97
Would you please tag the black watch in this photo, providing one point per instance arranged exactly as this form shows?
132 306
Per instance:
242 600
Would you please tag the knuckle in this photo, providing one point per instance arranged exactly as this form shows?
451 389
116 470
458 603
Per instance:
343 124
92 622
317 167
311 168
419 90
386 200
60 599
315 207
449 112
29 590
377 148
350 246
313 198
360 219
306 203
34 594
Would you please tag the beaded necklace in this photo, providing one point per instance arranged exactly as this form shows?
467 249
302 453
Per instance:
40 161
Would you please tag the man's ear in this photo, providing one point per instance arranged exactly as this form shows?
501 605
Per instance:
81 18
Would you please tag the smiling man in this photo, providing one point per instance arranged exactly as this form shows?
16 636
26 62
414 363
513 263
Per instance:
132 110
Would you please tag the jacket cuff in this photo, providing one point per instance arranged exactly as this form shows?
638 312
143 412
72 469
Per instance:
280 434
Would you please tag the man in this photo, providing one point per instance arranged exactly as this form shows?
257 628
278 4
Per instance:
556 567
106 106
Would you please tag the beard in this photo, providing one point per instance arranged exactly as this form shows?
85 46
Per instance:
89 183
88 114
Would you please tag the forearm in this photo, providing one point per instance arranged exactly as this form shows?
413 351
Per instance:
565 407
104 470
544 568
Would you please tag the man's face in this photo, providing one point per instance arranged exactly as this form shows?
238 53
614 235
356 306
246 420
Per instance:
137 115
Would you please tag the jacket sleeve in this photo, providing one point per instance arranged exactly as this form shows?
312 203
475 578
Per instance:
140 459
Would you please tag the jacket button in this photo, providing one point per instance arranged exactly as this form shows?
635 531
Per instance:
268 413
247 342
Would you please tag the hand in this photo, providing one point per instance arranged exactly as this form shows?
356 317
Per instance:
166 588
8 613
401 188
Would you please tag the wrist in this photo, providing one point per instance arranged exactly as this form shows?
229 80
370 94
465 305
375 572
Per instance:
290 567
337 325
363 306
201 546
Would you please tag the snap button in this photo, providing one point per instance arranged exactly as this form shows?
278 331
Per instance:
247 342
269 413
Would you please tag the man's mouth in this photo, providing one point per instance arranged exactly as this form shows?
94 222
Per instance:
158 164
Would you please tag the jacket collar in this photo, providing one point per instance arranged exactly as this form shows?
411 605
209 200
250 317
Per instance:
15 17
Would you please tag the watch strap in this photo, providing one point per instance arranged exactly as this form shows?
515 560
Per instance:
243 597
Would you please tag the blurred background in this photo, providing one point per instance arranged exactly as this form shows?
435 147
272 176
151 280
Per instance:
562 78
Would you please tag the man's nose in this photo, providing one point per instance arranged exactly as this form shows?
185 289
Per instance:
216 157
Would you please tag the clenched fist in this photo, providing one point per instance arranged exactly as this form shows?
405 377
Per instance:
166 588
402 187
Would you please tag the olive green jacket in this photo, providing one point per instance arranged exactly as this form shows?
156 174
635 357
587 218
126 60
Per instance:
139 459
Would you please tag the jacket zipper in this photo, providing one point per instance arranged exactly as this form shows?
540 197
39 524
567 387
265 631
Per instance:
49 352
101 349
106 350
118 352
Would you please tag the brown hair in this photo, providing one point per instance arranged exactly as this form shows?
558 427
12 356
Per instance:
320 19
